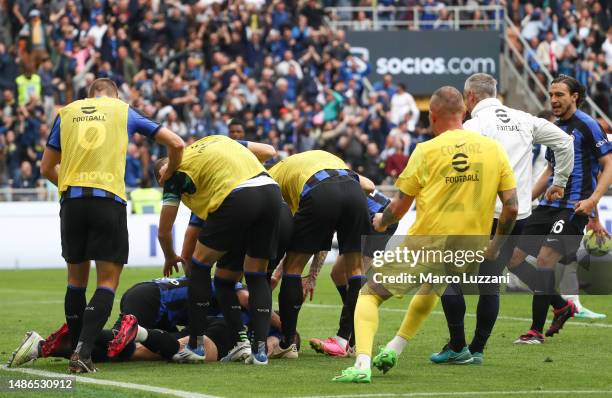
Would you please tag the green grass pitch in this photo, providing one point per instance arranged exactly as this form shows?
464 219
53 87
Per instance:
574 362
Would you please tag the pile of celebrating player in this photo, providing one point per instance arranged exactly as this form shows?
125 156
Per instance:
261 225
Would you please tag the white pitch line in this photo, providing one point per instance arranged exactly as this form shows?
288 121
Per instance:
112 383
507 318
463 393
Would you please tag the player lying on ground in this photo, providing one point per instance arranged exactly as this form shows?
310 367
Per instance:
162 306
455 179
147 344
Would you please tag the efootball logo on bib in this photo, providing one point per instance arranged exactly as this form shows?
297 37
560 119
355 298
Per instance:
460 162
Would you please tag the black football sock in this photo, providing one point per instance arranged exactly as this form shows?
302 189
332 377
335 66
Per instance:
198 297
488 307
527 273
347 316
260 308
225 290
162 343
94 318
541 298
557 301
342 292
453 304
99 352
486 315
290 298
74 305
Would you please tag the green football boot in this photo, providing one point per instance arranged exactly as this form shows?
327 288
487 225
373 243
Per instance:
354 375
385 359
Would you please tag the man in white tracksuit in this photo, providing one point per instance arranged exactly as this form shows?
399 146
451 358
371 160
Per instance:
517 132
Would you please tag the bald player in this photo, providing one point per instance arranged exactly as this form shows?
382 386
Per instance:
455 179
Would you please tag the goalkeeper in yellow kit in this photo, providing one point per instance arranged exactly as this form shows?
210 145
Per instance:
455 179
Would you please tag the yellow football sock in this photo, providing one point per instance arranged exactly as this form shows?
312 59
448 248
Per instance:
366 322
419 309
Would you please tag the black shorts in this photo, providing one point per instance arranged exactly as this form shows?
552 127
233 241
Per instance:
249 215
376 241
143 300
94 229
285 232
336 204
557 228
234 259
218 332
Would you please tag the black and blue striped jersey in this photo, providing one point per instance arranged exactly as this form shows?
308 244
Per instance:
590 144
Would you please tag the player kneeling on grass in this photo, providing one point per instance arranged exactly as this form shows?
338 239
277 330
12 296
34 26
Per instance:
449 205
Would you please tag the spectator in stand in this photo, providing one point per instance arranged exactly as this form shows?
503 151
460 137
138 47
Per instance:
29 86
396 163
133 167
548 52
25 179
402 104
293 80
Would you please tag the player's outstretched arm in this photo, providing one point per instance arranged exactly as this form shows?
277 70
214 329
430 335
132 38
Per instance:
189 244
175 146
399 206
604 181
164 235
49 164
562 145
263 152
507 218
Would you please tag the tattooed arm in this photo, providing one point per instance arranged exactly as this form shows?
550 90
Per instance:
309 282
506 221
394 212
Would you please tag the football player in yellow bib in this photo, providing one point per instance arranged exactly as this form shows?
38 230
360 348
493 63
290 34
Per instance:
223 183
455 179
85 157
325 197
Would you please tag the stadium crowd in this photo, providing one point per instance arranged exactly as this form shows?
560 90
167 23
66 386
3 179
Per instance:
194 65
571 38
